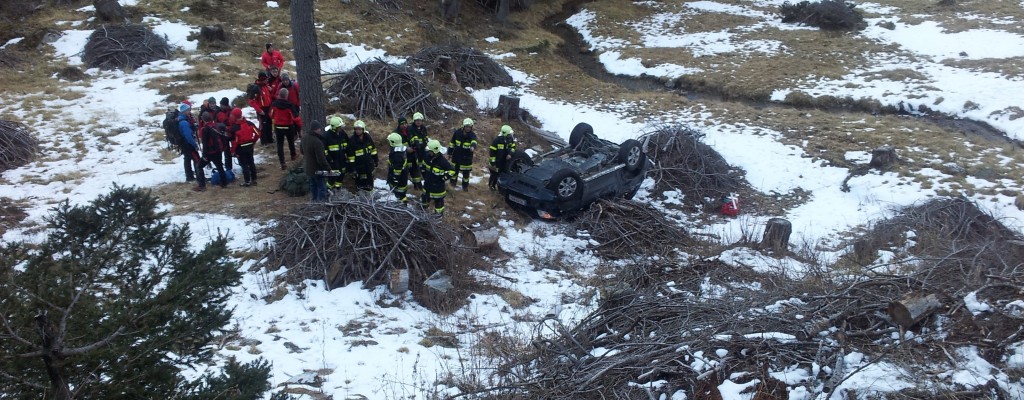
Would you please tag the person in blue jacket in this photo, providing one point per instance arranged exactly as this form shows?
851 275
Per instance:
190 150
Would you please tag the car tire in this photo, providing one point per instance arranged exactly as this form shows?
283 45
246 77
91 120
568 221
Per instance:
519 162
631 153
579 134
567 185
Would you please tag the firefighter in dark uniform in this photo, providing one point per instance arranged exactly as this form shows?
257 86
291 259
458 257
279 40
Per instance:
461 147
418 143
335 144
398 167
362 156
501 152
437 171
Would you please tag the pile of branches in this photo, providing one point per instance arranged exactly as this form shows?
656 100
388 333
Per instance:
10 59
362 239
470 66
834 15
17 146
379 89
682 161
626 228
126 46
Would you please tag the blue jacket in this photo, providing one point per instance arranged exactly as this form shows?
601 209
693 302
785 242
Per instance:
185 127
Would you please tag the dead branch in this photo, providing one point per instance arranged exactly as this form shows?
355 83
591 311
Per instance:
17 146
126 46
469 66
682 161
382 90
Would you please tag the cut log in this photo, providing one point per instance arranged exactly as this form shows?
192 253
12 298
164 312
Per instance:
864 251
399 281
776 235
481 238
883 157
447 65
913 308
508 108
211 34
109 11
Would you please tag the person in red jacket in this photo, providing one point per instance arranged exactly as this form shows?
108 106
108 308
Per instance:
274 80
272 58
285 116
259 99
293 89
245 136
222 117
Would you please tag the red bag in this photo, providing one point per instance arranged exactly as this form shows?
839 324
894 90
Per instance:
731 206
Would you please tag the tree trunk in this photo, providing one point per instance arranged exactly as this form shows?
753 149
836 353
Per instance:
883 157
52 357
307 61
913 308
503 10
776 235
450 9
109 11
212 34
508 108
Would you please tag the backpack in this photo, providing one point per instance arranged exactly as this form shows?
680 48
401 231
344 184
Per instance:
296 183
172 134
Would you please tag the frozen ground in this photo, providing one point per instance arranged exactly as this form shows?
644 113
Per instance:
362 341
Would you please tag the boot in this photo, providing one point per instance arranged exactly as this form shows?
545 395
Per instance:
465 186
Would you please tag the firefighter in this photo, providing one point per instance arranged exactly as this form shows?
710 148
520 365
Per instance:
336 143
418 145
398 167
501 152
462 145
362 156
437 170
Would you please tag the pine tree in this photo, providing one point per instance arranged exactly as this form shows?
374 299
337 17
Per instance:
112 304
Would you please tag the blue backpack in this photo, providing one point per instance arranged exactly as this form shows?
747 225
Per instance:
215 177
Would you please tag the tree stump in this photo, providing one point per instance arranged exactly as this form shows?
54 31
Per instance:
864 251
776 235
109 11
913 308
503 10
883 157
446 65
212 34
508 108
399 282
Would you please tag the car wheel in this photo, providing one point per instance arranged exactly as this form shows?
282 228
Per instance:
631 153
566 184
519 162
579 134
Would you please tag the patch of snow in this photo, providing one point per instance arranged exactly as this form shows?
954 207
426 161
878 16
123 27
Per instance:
71 44
177 33
491 39
272 4
12 41
355 54
974 305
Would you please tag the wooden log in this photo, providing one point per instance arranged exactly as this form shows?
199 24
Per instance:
776 235
109 11
883 157
399 281
508 108
212 34
864 251
913 308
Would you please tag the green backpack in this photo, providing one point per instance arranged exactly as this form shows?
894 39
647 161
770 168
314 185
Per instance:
296 183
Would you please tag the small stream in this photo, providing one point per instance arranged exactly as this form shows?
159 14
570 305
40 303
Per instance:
587 61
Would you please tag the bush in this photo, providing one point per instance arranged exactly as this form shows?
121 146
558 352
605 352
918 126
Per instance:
833 15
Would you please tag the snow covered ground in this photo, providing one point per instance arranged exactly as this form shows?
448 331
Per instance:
362 341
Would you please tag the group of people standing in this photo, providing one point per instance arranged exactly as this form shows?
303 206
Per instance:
221 132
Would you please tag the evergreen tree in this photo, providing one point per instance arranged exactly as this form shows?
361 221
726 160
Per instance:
112 304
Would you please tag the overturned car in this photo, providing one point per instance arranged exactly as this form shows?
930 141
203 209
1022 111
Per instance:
569 179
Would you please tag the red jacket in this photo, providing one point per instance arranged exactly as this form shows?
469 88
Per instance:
262 100
274 59
293 92
284 113
245 134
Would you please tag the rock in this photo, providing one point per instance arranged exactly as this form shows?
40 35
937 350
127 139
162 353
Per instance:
886 25
439 281
51 37
1019 202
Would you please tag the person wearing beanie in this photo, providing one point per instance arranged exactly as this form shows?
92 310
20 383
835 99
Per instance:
287 123
245 135
293 89
271 58
260 99
213 150
316 166
193 161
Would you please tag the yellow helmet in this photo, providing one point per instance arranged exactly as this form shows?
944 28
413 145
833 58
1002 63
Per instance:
395 139
506 130
467 122
337 122
434 146
417 116
359 124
